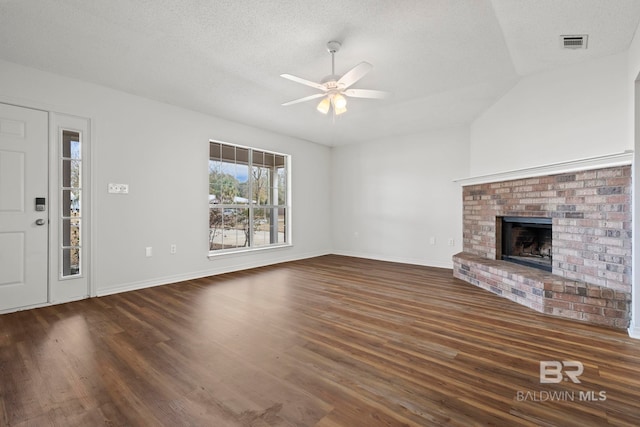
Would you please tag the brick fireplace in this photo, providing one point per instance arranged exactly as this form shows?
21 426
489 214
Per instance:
590 255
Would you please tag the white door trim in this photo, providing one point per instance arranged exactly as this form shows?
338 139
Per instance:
69 288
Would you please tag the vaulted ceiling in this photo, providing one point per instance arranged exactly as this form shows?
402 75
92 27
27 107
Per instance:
444 61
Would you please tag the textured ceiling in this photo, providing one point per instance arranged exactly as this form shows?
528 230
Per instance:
444 61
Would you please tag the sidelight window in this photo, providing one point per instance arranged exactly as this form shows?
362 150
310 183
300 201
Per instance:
71 204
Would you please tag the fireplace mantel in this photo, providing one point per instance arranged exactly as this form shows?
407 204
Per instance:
590 163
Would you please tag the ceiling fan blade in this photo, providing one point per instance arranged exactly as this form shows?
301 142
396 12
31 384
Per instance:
304 82
366 93
355 74
306 98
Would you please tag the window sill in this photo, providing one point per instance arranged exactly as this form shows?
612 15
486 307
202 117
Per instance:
217 254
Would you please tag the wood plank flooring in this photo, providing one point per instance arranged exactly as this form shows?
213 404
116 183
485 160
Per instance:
330 341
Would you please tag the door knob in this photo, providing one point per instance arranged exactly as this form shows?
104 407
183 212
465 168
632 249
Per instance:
40 221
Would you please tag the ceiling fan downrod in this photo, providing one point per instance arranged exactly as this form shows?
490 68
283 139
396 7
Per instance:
333 47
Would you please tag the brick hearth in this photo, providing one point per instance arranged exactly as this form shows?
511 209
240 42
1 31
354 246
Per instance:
591 220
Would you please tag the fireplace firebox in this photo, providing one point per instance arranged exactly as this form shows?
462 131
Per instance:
526 241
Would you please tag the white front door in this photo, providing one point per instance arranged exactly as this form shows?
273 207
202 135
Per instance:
24 228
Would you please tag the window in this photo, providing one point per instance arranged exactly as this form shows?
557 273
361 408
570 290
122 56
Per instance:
71 206
248 198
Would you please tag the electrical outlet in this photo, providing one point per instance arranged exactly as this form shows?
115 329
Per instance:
432 240
173 249
452 242
149 251
118 188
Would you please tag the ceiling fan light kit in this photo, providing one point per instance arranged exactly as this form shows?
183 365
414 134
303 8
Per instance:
335 88
339 101
324 106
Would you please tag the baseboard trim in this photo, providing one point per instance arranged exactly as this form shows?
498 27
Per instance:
166 280
401 260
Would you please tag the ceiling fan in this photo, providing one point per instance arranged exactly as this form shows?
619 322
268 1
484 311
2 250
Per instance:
334 88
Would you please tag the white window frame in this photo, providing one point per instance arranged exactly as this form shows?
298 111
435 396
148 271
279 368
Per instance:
281 160
66 216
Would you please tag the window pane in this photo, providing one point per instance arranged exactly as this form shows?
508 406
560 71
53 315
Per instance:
222 182
262 227
215 151
66 173
242 184
236 228
71 170
215 228
71 203
228 228
70 232
282 186
228 153
71 145
228 168
269 226
258 158
282 225
268 159
70 262
260 177
75 149
242 155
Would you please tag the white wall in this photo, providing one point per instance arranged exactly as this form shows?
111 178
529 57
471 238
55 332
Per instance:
633 90
390 197
161 151
572 113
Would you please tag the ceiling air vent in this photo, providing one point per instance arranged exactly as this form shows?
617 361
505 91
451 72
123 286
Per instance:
574 41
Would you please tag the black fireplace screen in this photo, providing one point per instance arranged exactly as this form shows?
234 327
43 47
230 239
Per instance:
527 241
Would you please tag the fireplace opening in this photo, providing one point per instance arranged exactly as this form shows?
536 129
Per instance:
526 241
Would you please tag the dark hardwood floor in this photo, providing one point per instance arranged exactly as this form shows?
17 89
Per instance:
330 341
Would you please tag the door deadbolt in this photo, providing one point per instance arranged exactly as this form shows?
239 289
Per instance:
41 204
